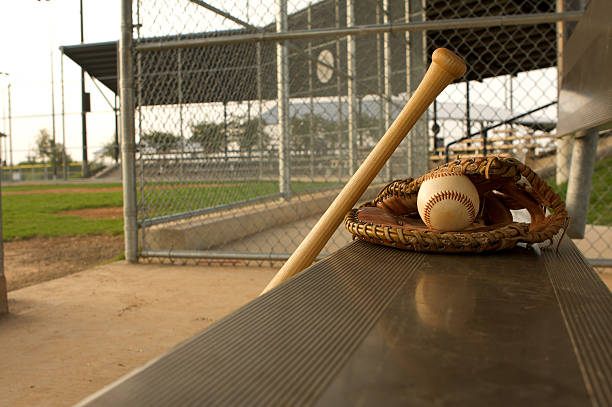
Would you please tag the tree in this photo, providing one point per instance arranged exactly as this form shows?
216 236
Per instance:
321 131
109 150
368 129
160 141
248 133
209 135
48 150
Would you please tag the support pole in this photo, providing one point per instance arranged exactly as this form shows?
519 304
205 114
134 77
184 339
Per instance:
380 82
563 158
387 83
351 93
128 145
580 178
310 94
282 77
416 65
179 62
85 169
260 113
468 120
64 167
338 92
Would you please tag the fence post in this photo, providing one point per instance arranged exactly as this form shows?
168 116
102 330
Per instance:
282 78
351 92
563 158
387 84
580 179
128 147
416 65
338 91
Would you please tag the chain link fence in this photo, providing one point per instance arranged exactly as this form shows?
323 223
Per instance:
251 115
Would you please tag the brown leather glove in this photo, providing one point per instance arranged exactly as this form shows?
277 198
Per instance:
502 183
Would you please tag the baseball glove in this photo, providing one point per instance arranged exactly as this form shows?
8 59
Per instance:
503 184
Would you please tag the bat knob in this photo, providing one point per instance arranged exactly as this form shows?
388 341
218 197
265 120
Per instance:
449 61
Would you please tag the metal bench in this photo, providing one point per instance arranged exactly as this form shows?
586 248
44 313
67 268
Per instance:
372 325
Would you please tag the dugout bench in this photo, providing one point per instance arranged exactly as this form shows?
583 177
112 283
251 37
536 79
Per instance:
371 326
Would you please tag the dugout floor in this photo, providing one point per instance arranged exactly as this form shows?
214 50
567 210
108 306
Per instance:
67 338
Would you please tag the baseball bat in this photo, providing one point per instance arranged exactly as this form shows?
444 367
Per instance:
444 69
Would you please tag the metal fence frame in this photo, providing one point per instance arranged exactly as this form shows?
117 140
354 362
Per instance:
128 47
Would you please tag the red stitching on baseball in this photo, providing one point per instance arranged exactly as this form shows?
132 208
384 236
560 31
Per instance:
457 196
441 174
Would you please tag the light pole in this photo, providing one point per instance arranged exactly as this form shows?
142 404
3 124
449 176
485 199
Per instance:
10 124
84 107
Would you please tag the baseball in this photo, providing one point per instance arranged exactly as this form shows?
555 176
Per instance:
448 202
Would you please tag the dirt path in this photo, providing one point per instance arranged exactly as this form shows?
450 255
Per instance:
31 261
67 338
111 212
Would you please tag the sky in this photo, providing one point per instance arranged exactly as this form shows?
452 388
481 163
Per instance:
32 32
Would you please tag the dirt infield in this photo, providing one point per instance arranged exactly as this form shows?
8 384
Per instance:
32 261
113 212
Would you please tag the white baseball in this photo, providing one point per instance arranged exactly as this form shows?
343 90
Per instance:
448 202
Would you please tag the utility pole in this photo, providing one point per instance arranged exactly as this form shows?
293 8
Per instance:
54 158
10 125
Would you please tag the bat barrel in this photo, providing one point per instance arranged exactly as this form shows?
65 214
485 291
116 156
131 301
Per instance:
450 62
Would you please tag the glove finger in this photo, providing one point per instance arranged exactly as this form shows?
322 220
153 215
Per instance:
494 211
399 205
525 200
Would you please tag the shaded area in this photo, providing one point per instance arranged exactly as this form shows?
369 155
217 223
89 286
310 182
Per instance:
224 73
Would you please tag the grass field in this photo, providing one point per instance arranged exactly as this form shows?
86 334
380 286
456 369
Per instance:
30 215
26 215
600 204
162 200
36 214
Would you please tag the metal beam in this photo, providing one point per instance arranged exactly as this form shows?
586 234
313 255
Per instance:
434 25
225 14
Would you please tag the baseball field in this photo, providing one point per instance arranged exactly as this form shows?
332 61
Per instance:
53 230
118 316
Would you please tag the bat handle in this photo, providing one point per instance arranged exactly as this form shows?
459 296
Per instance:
445 68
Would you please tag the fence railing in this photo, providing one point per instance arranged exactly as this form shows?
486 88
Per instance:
40 172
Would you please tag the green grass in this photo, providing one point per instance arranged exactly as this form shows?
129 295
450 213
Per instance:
38 187
600 201
166 201
35 214
27 215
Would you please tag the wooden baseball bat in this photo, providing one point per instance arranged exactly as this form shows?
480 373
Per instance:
445 68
